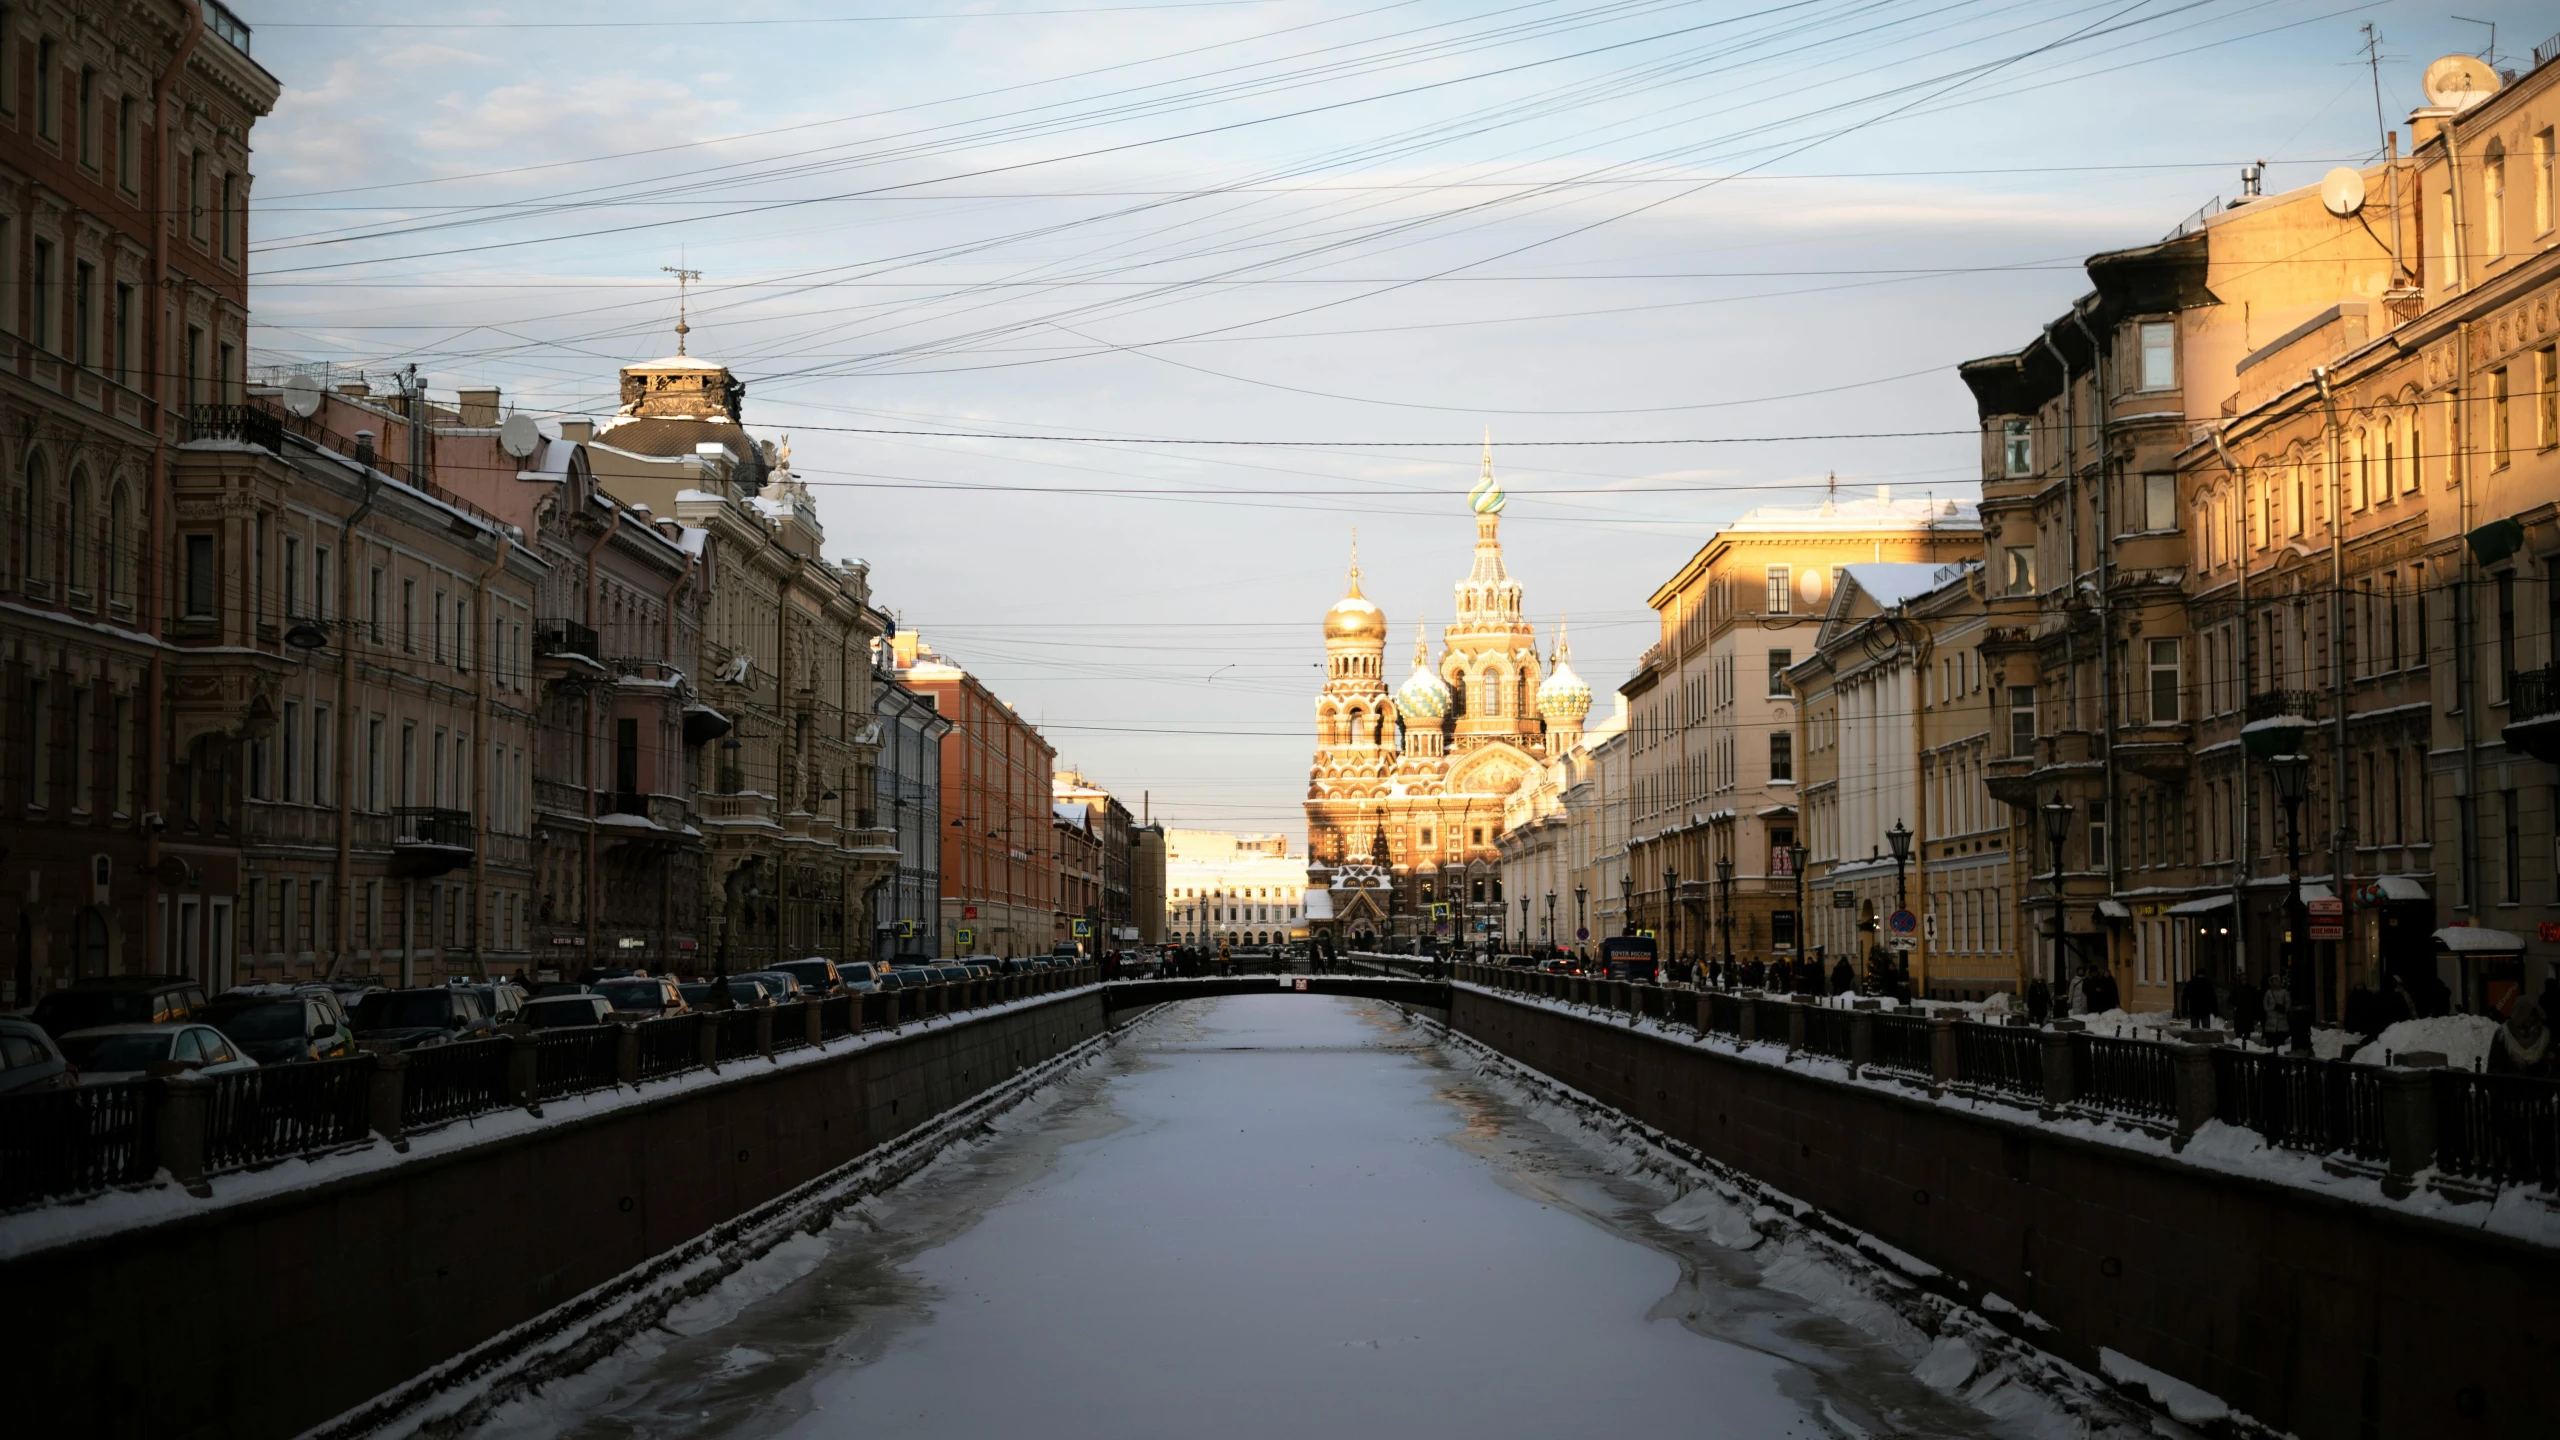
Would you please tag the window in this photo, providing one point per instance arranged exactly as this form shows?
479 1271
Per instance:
40 295
2017 448
195 194
2097 834
2022 720
2505 586
39 733
124 142
1781 590
409 616
435 621
373 763
2159 355
2493 201
462 638
200 577
2297 499
195 365
291 734
2498 418
2164 682
84 749
2159 501
120 761
44 88
1779 660
320 582
84 125
373 603
1782 757
84 306
2022 570
2448 263
320 749
293 579
123 322
76 547
229 217
2546 397
2411 473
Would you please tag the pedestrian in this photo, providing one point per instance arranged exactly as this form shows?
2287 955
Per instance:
2279 1004
2199 1004
2523 1044
2245 1013
2076 1001
2039 1000
1842 979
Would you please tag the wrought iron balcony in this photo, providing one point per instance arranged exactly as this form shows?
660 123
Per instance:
244 423
2533 712
430 840
2268 704
564 637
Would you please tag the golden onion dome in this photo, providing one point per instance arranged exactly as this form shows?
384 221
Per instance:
1355 616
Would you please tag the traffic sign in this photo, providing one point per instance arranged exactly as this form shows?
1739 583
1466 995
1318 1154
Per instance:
1903 922
1440 910
1901 943
967 935
1844 899
1082 927
1581 933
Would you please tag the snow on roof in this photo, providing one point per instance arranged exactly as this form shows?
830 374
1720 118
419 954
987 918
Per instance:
1319 904
2478 940
1892 582
1880 513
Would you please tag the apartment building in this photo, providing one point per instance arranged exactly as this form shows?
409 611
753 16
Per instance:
906 913
1712 725
999 861
124 183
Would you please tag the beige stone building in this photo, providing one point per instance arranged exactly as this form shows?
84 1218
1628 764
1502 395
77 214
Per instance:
1712 726
794 839
1223 889
1550 828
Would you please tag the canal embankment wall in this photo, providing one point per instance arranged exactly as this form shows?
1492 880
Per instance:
2314 1315
393 1285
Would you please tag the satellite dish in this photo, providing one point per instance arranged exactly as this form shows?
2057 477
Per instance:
2342 190
302 395
519 435
2458 82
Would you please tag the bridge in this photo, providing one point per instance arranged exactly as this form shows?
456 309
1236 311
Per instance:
2365 1256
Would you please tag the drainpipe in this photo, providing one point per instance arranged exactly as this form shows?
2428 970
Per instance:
2247 809
667 650
2466 665
346 712
2070 584
2340 825
154 763
587 736
480 738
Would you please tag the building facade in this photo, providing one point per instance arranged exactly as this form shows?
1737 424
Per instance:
124 185
999 861
1223 889
906 913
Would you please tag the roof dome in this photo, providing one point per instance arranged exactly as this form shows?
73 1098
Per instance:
1355 616
1564 696
1422 697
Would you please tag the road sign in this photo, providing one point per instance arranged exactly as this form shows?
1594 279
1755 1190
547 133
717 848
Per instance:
1082 927
1440 910
967 935
1581 933
1901 943
1903 922
1844 899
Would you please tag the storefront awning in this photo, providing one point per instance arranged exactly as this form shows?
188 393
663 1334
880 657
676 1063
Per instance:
2478 940
2205 906
2114 910
2400 887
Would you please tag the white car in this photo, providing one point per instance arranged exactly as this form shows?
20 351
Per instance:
111 1053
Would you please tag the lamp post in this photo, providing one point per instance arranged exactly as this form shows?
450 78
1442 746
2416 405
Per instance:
1724 906
1670 916
1627 903
1581 925
1899 837
1551 919
2292 773
2057 824
1524 921
1804 922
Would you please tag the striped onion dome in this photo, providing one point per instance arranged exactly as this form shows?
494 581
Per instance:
1564 696
1487 497
1423 698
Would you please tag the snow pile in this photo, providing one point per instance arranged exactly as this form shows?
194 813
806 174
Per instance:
2463 1039
2185 1403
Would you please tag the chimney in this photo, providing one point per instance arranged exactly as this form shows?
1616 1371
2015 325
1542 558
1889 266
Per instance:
904 645
578 432
480 408
364 448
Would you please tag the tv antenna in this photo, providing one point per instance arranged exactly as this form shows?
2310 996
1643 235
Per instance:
684 278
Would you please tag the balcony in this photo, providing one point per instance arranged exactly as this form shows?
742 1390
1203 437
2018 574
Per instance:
246 424
2275 704
427 840
2277 721
2533 713
553 639
2156 752
2011 780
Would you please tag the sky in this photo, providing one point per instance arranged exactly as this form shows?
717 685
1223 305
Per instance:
1098 329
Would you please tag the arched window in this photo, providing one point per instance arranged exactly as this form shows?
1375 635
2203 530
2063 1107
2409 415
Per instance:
1492 692
115 548
77 534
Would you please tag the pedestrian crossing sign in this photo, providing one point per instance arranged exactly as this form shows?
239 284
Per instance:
1440 910
967 935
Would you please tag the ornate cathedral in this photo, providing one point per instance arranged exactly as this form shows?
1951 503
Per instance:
1404 798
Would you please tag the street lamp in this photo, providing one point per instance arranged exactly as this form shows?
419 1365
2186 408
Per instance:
2292 773
2057 825
1724 906
1899 837
1524 922
1581 926
1804 922
1670 915
1627 902
1551 919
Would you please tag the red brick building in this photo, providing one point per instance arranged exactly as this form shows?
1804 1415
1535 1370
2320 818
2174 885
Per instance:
999 862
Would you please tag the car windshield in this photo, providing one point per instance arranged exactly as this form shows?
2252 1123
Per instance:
633 994
131 1050
807 972
403 1010
266 1020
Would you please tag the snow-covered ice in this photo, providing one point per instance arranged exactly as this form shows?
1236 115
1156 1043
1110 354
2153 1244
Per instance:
1289 1216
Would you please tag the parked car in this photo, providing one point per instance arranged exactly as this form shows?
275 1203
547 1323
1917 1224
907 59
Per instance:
105 1054
818 976
784 985
643 997
281 1029
408 1019
29 1060
119 1000
742 991
544 990
562 1012
503 999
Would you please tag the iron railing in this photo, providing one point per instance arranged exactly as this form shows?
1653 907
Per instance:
2268 704
453 1082
60 1143
1899 1045
431 825
565 637
256 1117
2295 1102
735 1030
2134 1079
245 423
576 1060
1826 1031
2498 1129
837 1015
2532 694
1724 1013
669 1045
2000 1059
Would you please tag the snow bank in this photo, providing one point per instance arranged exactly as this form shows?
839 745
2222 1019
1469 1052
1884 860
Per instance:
2185 1403
2464 1039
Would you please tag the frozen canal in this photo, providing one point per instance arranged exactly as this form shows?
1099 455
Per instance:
1260 1216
